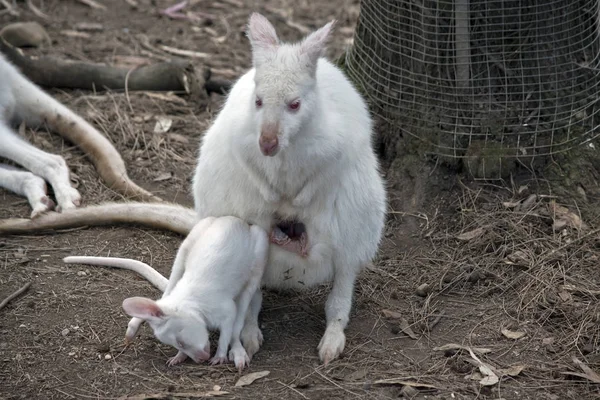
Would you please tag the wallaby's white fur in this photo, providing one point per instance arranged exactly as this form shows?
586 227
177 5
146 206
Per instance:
216 272
23 101
324 174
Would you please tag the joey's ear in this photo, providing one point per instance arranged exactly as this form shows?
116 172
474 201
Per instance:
314 44
142 307
263 38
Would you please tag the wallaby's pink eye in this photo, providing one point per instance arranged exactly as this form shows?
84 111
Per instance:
294 105
258 102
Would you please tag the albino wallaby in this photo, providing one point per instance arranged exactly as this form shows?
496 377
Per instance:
21 100
216 272
293 142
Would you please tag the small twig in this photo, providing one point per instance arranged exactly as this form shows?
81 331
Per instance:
436 321
291 388
9 8
39 13
15 294
93 4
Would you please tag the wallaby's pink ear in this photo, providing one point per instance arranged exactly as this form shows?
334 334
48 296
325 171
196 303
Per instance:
314 44
263 37
142 307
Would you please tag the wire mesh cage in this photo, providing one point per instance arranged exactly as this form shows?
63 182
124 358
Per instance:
486 81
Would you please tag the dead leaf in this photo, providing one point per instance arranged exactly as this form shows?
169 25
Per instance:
404 325
163 124
588 373
547 341
407 329
564 217
565 296
75 34
519 258
527 204
163 177
171 395
512 371
357 375
512 334
454 346
176 137
250 378
510 204
391 314
489 376
466 236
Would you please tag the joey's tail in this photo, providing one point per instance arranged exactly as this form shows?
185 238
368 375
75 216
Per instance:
167 216
34 106
152 275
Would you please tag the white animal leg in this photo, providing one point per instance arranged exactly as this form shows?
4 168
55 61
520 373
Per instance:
51 167
251 336
337 313
238 354
26 184
225 332
177 359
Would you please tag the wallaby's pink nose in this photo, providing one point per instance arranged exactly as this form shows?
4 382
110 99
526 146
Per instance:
268 145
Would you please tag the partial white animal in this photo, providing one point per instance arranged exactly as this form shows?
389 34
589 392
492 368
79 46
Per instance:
216 272
293 142
23 101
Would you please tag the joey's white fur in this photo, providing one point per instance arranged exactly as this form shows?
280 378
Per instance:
324 172
216 273
23 101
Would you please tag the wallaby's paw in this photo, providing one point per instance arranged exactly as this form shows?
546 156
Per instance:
44 205
218 360
239 357
68 198
332 344
252 338
178 359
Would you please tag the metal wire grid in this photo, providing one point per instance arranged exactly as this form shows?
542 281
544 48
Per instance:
519 76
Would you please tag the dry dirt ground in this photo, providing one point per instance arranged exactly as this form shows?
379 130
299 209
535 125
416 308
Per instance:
511 293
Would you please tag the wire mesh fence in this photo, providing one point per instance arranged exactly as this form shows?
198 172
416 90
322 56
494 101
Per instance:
486 81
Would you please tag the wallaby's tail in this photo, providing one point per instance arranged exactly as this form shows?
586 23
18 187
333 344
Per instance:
152 275
35 106
171 217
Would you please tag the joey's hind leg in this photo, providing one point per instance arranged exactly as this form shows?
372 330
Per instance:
225 333
251 336
26 184
51 167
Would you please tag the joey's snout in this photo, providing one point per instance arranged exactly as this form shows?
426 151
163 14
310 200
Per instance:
269 141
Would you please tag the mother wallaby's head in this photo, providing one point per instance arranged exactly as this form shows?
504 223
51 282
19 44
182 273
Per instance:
285 82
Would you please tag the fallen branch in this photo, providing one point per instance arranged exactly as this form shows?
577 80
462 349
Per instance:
171 76
14 295
53 72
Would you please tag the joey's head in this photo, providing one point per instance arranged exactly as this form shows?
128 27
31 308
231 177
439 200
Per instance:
285 95
183 330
